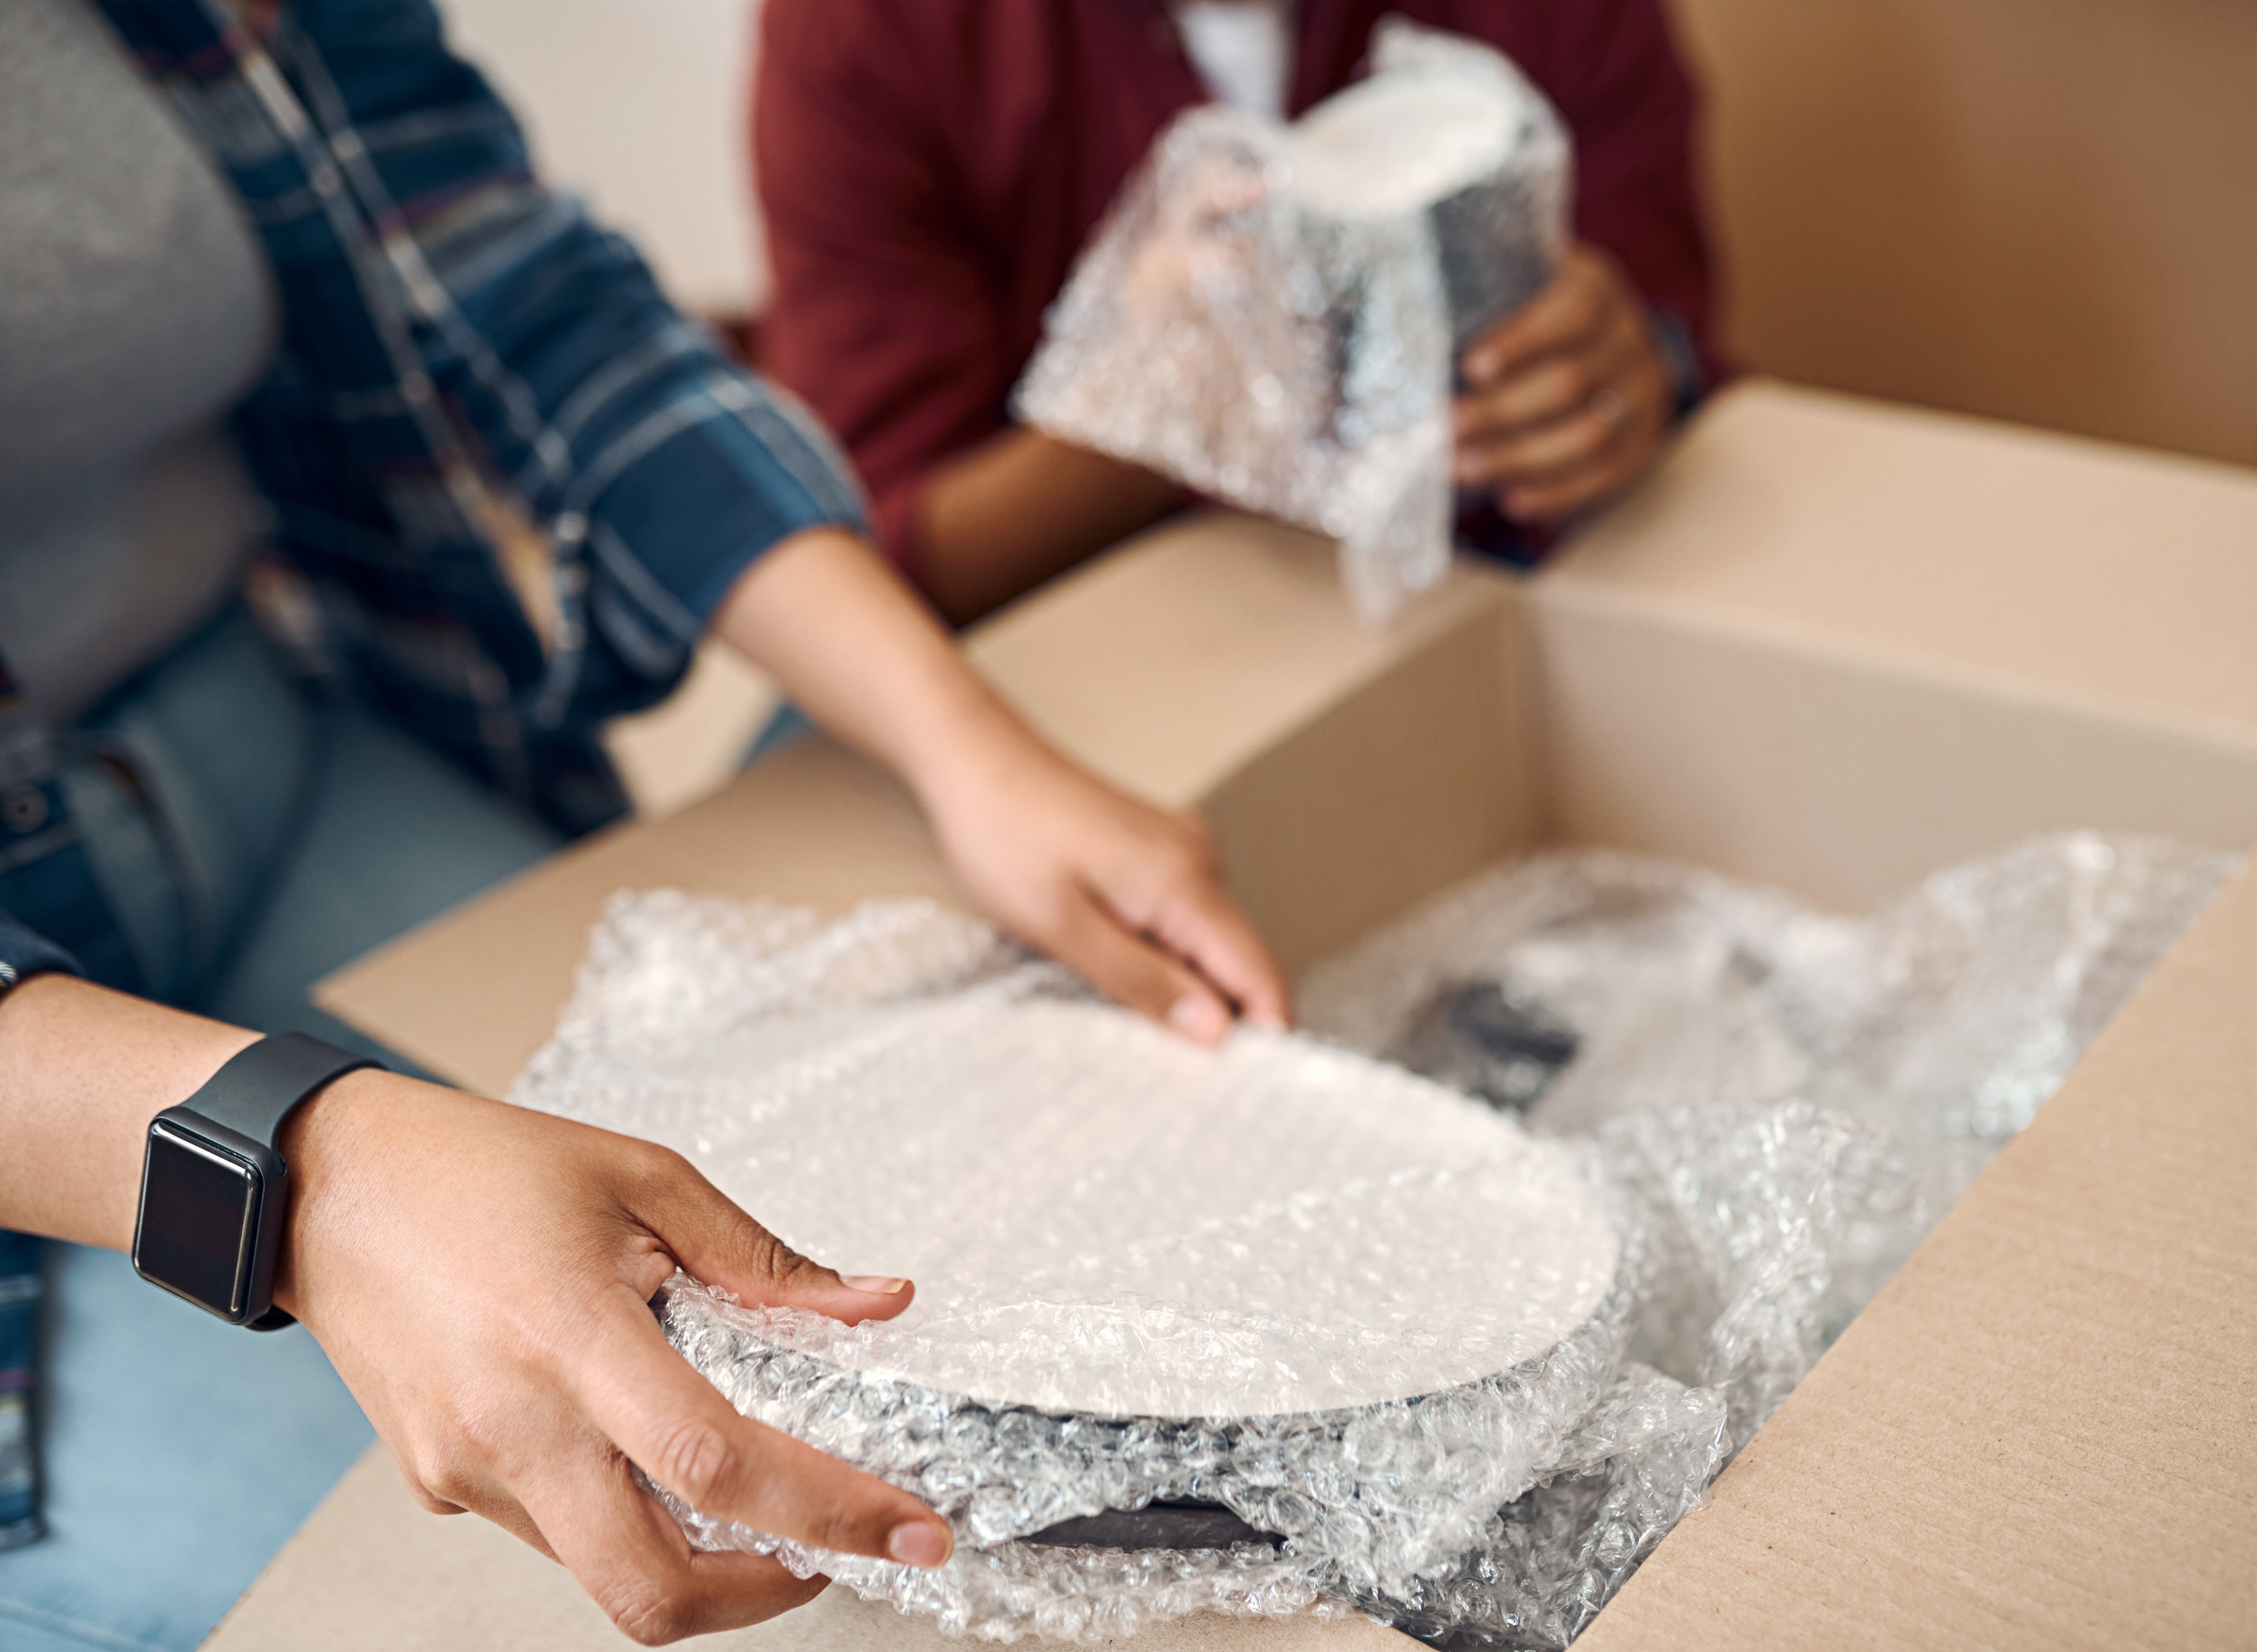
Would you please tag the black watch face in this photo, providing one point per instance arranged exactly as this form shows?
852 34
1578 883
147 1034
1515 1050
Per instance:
199 1218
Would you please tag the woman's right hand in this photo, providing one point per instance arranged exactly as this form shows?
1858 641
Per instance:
480 1274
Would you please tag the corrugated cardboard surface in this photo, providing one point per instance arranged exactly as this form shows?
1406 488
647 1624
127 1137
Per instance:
2035 209
1835 645
2035 1435
1996 556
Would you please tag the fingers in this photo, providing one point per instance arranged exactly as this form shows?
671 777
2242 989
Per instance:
664 1417
1204 926
633 1560
1549 501
1555 388
1571 310
1133 971
1547 417
1162 894
1567 411
1129 895
706 1232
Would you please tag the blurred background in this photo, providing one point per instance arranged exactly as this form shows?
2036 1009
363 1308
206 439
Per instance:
2043 210
2040 210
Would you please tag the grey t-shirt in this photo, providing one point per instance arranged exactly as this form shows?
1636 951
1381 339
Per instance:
136 308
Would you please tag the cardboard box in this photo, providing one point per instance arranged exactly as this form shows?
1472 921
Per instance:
1833 644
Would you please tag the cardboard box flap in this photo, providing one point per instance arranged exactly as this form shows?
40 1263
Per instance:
1182 656
2006 557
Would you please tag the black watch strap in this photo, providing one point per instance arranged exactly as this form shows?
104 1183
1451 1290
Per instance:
263 1085
260 1087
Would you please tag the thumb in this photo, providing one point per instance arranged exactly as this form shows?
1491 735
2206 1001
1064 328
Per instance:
717 1243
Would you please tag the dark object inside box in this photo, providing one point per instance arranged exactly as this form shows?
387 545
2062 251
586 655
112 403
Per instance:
1185 1525
1488 1040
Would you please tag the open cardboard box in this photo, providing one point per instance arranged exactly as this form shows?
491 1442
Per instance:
1830 645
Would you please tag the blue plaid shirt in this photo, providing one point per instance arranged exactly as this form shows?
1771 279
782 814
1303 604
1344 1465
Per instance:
452 332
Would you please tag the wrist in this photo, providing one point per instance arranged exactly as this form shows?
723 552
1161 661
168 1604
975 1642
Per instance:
335 1141
82 1071
972 747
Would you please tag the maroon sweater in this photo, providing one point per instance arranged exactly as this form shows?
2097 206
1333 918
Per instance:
929 170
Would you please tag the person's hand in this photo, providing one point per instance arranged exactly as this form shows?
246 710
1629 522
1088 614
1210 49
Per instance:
1129 895
1126 893
480 1274
1567 397
1198 242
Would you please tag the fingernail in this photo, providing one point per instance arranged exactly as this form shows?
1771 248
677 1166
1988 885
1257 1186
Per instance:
919 1542
876 1285
1198 1018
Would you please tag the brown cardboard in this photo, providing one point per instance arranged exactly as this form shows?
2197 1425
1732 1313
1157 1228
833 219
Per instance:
2037 1434
1835 645
2033 209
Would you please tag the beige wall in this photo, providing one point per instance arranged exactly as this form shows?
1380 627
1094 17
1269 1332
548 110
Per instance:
2041 209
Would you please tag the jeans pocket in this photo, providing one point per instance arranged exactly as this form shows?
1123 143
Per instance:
190 785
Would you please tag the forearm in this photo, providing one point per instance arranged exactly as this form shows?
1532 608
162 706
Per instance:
82 1071
1002 518
854 648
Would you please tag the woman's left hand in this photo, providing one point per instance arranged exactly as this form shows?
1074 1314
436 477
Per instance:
1565 399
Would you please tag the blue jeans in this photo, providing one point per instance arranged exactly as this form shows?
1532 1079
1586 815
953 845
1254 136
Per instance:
250 840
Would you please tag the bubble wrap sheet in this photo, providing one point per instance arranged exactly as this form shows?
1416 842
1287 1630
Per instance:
1581 988
1270 314
1453 1372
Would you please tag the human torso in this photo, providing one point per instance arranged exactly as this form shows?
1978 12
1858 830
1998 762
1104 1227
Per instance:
136 309
1029 116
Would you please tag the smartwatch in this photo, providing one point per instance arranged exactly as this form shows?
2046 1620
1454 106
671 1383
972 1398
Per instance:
215 1192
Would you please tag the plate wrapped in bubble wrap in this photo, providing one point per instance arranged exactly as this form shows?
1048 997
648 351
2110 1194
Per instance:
1271 312
1284 1327
1271 1329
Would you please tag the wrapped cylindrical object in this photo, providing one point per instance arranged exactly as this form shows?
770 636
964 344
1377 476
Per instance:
1376 1336
1271 313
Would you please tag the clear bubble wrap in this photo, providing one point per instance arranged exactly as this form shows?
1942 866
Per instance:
1270 314
1425 1362
1577 989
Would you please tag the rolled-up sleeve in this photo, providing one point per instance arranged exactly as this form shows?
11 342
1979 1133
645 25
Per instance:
24 953
659 467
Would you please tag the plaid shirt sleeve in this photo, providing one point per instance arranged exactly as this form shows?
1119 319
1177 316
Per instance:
450 323
660 468
23 954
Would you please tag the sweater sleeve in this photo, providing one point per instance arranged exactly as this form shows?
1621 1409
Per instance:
883 316
1614 71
